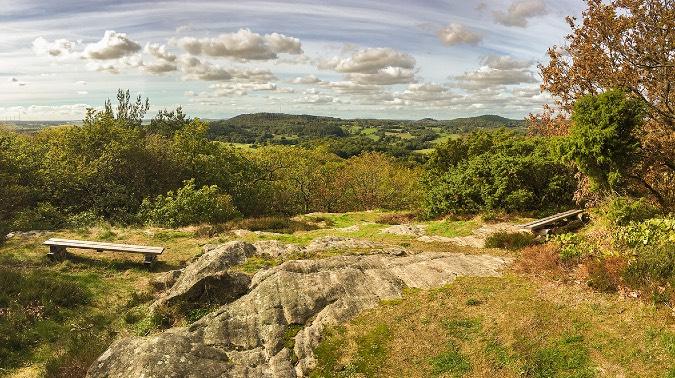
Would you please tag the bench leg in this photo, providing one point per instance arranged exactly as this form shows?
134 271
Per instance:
149 259
56 252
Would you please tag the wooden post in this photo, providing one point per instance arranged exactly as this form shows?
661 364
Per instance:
149 258
56 252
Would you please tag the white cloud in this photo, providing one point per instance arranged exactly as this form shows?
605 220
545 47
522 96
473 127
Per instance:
256 75
520 11
386 76
350 87
60 48
159 67
455 34
196 69
307 79
374 66
159 51
318 99
370 61
505 62
244 44
113 45
103 67
40 112
485 77
497 71
17 82
165 60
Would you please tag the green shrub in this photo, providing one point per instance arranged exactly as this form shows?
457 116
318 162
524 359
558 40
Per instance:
602 139
621 211
652 232
42 217
498 171
509 240
83 219
188 206
652 265
572 247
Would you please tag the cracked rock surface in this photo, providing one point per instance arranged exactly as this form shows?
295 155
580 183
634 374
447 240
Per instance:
248 337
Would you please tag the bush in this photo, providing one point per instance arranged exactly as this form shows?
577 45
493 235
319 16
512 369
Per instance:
652 232
188 206
602 138
621 211
42 217
498 171
652 265
83 220
572 247
510 240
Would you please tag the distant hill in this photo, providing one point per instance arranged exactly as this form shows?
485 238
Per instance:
260 127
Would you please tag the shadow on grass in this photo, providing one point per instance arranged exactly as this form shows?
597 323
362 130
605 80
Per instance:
117 265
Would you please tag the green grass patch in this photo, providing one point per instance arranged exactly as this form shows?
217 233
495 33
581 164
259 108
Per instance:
451 362
364 359
451 229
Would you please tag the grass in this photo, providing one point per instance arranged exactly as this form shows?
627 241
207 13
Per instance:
509 240
64 314
451 229
57 317
361 357
509 327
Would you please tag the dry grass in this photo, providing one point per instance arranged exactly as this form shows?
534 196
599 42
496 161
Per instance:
509 327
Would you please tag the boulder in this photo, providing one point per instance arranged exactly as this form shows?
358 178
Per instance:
275 248
246 337
327 243
208 278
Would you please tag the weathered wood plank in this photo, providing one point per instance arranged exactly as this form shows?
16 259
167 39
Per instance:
100 246
551 219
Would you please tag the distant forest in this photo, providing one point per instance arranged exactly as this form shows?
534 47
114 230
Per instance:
351 137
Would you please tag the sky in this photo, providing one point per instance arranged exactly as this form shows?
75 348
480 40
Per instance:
402 59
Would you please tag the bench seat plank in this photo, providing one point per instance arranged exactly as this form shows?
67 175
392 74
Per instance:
551 219
104 246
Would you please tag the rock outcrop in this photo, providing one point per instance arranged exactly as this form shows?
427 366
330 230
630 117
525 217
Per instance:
405 229
249 336
209 278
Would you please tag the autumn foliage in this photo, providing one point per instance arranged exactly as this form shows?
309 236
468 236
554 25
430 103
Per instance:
627 45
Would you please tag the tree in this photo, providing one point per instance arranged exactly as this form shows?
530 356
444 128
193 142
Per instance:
167 123
129 114
602 141
628 44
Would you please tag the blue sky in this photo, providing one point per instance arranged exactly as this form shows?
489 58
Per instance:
385 59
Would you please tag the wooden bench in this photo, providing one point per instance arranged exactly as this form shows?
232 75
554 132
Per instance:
554 221
57 248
